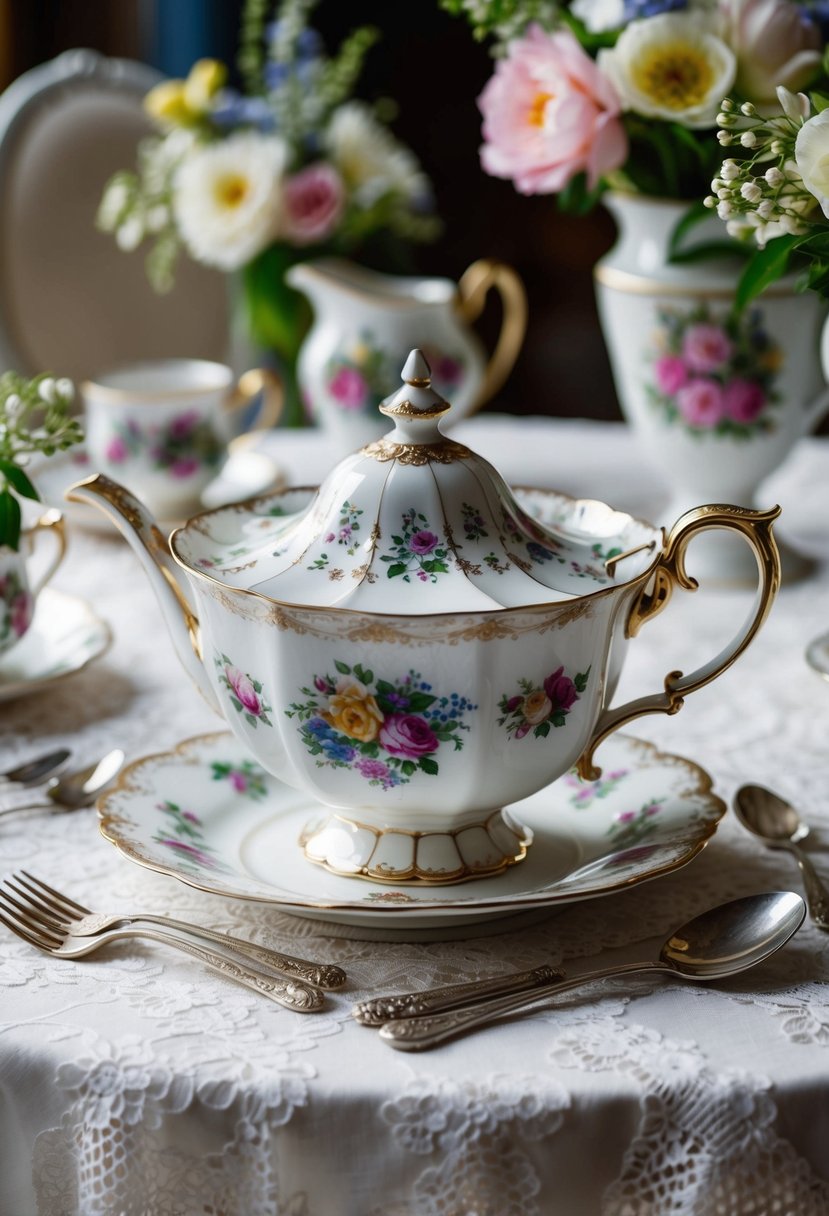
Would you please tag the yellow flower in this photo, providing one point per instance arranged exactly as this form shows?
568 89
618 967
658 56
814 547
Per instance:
354 711
537 707
181 103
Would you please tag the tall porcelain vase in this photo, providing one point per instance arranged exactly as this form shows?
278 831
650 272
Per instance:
717 402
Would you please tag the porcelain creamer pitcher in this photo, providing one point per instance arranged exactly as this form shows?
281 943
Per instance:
365 323
414 646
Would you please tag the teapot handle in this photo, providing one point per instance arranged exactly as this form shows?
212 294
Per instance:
756 529
473 289
249 385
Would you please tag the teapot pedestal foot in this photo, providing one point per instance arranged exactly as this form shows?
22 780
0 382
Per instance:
357 849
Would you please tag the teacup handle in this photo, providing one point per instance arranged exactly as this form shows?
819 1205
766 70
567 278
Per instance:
473 289
250 383
53 523
756 529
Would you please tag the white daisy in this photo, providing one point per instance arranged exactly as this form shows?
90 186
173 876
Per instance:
227 198
671 67
370 160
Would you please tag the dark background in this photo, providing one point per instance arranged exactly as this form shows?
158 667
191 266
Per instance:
432 67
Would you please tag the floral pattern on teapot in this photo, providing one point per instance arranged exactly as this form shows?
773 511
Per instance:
246 693
385 730
538 708
714 377
417 550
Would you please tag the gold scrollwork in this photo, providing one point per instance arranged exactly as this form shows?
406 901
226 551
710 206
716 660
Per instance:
445 452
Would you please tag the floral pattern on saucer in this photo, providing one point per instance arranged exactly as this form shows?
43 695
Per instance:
387 731
247 848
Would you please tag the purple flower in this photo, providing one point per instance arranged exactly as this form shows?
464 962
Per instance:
185 466
743 400
374 770
183 426
512 704
320 684
395 699
423 576
561 690
329 538
523 729
423 542
407 735
238 780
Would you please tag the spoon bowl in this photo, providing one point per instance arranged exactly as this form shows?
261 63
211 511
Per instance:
33 771
76 790
779 826
733 936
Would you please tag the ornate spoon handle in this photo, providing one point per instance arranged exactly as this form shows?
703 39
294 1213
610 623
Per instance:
418 1033
381 1009
816 895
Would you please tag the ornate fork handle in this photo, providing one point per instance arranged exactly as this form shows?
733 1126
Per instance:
289 993
381 1009
321 975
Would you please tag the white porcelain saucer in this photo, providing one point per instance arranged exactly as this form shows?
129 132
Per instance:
817 655
206 814
246 473
64 636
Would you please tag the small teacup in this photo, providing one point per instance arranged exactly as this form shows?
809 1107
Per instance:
17 591
162 427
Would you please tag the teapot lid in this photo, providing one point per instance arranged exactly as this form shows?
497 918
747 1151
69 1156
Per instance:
416 523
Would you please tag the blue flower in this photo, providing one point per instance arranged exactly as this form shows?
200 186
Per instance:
338 751
308 44
234 110
320 729
634 9
537 552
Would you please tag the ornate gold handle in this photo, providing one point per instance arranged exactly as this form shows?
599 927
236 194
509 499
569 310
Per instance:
269 384
756 529
473 289
53 523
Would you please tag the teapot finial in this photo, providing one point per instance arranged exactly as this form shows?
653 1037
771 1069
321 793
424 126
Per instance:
417 399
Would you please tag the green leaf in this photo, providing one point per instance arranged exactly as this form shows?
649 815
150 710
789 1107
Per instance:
408 767
397 568
542 730
819 101
342 668
367 677
9 520
766 267
428 765
17 478
710 249
695 214
418 701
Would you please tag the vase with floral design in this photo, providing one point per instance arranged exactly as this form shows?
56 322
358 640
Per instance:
365 323
717 399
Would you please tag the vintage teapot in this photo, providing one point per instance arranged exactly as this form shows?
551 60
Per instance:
414 645
365 323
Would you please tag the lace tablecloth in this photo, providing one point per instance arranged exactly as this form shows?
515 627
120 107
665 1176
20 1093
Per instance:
134 1083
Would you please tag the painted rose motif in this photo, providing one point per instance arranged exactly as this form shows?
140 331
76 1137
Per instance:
246 778
359 376
418 551
587 792
16 608
538 709
714 377
384 730
181 447
631 827
246 695
181 833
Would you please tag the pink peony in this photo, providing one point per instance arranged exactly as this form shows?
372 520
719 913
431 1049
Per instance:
561 690
743 400
348 388
550 114
116 450
776 42
706 347
701 403
244 690
407 735
671 374
313 202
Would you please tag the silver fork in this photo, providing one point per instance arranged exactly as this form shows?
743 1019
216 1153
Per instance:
49 935
79 921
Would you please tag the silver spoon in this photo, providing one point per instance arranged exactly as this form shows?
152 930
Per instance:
780 827
76 790
719 943
34 771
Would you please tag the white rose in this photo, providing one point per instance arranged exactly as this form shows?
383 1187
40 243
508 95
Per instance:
811 152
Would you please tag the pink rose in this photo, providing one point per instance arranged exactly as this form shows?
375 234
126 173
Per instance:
184 467
701 403
561 690
407 735
743 400
183 425
776 42
349 388
706 347
313 202
21 613
423 542
116 450
550 114
671 374
244 690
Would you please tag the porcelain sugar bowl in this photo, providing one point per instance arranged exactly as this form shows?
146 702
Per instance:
414 645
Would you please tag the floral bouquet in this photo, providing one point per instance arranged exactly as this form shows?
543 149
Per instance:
773 189
292 168
34 418
596 94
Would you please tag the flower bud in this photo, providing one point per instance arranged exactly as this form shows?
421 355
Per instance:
46 390
748 139
751 192
66 389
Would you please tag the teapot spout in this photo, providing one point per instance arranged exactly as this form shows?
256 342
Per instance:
142 533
